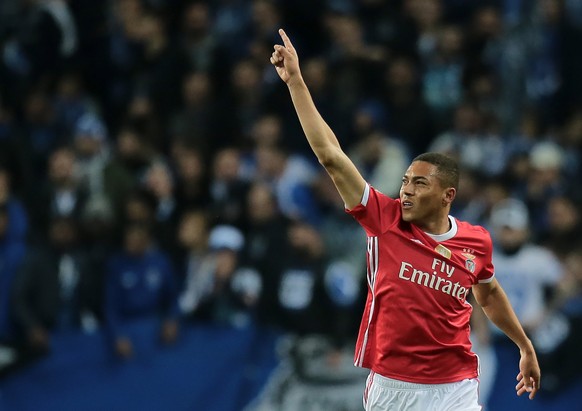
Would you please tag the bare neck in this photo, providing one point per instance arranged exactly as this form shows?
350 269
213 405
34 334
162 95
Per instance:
438 225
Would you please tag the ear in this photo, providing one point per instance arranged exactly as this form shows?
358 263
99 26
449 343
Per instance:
449 195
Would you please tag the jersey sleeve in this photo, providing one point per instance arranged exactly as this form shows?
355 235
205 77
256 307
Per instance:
376 213
487 273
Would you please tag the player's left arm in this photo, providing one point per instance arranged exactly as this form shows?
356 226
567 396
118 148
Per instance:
492 298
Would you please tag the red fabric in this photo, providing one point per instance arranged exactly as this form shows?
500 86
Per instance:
415 325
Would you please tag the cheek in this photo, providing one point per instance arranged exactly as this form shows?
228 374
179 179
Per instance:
429 203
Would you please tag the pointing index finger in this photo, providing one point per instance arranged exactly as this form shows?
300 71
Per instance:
286 40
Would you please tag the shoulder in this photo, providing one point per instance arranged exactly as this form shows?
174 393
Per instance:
373 199
371 194
472 229
475 234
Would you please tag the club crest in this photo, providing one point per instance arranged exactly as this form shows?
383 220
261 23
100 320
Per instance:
469 261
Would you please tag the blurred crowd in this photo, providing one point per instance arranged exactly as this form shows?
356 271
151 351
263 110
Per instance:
151 163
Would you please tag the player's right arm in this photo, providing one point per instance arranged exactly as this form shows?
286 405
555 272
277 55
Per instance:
347 179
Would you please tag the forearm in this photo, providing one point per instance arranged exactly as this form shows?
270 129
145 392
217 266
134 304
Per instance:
318 133
320 137
498 309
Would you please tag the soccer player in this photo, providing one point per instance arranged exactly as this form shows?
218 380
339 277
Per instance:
422 264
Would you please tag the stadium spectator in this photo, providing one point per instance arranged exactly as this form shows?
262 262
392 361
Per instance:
100 173
560 334
216 287
408 114
380 157
517 262
192 185
140 284
291 177
71 101
197 40
228 189
39 132
159 182
197 122
476 147
11 257
17 213
61 193
56 290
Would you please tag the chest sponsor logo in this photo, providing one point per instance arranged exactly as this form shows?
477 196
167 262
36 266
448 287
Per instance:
438 280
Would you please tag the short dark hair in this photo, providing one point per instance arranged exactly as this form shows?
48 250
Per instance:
447 168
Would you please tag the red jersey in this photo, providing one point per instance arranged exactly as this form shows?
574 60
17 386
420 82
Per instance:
415 325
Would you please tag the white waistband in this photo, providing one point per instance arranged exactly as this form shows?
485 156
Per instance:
405 385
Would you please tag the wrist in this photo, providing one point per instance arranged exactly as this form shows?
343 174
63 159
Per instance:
296 81
526 348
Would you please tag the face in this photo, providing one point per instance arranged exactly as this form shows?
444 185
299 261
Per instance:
196 88
511 238
190 165
87 146
192 232
137 241
226 165
137 210
61 165
422 196
260 204
226 261
159 180
62 234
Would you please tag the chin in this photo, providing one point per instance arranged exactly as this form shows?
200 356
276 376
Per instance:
407 217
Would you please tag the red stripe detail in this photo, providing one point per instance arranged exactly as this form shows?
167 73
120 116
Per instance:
368 385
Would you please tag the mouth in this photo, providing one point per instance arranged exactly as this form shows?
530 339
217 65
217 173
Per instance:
406 205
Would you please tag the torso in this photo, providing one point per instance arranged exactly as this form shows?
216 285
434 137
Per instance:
415 325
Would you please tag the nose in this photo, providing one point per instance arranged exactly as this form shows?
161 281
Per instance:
407 189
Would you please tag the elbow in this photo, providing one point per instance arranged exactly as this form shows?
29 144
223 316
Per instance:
329 159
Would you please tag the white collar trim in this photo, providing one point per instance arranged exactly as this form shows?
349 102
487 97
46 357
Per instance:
448 235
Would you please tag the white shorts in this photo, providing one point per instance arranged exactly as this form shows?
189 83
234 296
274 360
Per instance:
386 394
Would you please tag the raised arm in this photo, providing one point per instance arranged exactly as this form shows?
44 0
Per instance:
347 179
497 307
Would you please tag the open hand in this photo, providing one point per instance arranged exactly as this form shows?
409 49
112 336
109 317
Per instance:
285 60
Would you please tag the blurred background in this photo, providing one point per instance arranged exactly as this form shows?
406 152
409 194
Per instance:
168 241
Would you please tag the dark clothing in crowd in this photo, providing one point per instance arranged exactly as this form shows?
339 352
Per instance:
138 287
54 290
11 257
